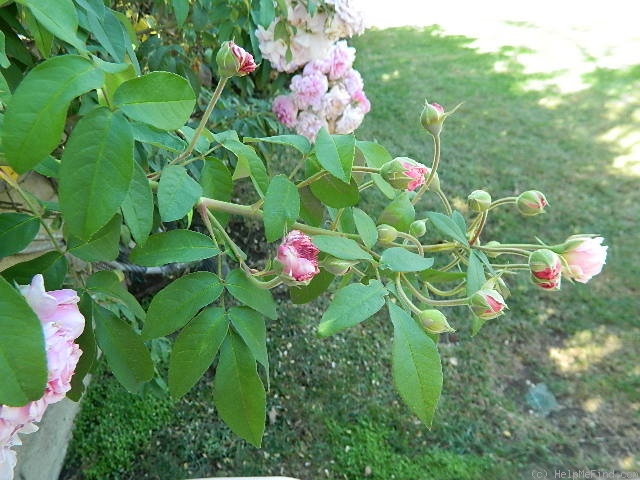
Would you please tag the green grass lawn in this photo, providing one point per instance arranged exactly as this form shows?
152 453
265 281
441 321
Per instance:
333 410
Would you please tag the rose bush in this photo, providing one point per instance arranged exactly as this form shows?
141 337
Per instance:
142 185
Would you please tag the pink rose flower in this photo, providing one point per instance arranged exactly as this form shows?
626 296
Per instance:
350 120
309 124
316 66
298 256
308 90
335 101
362 101
352 81
285 110
246 64
417 173
341 59
62 323
584 257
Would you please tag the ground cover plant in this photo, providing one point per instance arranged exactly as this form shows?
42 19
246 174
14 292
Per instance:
332 411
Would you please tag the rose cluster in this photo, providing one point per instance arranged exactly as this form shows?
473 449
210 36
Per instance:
328 93
62 323
305 36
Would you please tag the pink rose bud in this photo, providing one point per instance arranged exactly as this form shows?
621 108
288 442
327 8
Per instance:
479 201
298 256
434 321
546 269
583 257
386 233
531 202
404 173
234 61
487 304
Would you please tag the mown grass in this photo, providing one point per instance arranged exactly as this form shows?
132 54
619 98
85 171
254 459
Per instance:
333 411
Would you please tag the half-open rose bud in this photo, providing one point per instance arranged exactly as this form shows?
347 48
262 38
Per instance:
404 173
487 304
583 256
234 61
531 202
298 256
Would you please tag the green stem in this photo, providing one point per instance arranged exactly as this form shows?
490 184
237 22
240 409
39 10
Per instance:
403 296
511 266
434 169
34 209
232 245
249 211
203 121
318 175
438 303
502 201
483 221
498 250
445 293
413 240
445 201
366 185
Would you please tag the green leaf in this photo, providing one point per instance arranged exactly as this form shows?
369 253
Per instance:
23 365
59 17
384 186
178 302
241 288
251 327
124 349
17 230
42 37
52 265
177 193
37 112
238 392
311 209
195 349
335 153
216 182
4 60
351 305
335 193
137 206
457 217
107 282
87 343
162 99
476 324
416 367
264 13
399 213
249 163
447 226
316 287
173 246
475 274
298 142
158 138
340 247
366 227
437 276
49 167
103 246
181 10
398 259
109 32
281 207
374 154
96 170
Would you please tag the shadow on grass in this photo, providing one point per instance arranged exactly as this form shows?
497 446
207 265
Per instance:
333 411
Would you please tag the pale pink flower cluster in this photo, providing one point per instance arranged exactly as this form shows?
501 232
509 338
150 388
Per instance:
310 36
62 323
328 93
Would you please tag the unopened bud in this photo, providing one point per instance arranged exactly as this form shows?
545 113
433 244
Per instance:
487 304
418 228
433 321
337 266
432 118
386 233
546 269
479 201
531 202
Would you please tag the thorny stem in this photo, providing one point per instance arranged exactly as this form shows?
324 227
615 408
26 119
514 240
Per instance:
203 121
34 209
